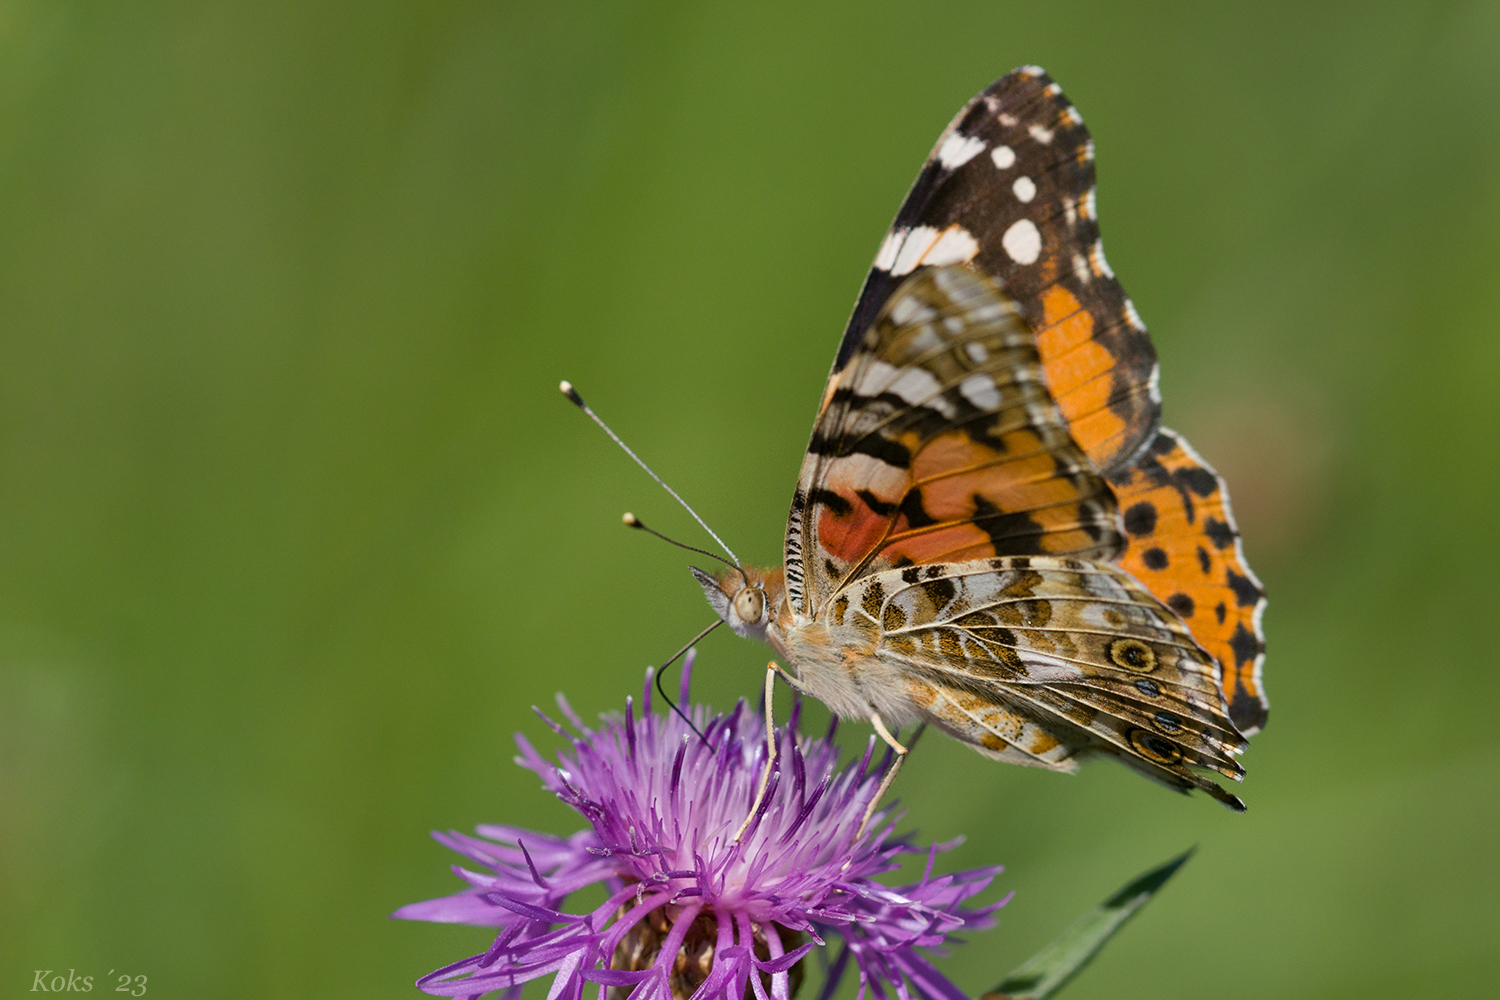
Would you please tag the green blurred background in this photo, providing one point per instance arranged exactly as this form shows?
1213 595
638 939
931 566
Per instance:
294 526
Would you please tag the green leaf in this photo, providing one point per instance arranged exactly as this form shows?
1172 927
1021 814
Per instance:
1049 969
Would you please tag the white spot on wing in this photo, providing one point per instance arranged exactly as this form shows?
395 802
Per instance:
909 309
1081 269
888 247
1024 189
925 340
955 246
1096 258
920 387
916 243
959 149
868 472
1072 115
981 391
1009 121
1088 208
1004 157
1023 242
882 376
1134 317
1070 211
1040 134
976 352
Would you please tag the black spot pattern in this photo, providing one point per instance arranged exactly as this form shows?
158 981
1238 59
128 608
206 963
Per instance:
891 452
1009 532
1246 593
831 500
1218 532
916 514
1182 604
1245 645
940 592
1140 519
876 505
1198 479
1154 558
1247 711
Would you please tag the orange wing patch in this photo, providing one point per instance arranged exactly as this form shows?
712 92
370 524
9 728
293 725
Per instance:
940 443
1184 547
1080 372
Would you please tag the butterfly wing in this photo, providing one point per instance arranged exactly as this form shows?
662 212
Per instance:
939 442
1009 189
1036 660
1185 548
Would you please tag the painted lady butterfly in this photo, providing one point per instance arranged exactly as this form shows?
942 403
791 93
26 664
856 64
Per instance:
990 533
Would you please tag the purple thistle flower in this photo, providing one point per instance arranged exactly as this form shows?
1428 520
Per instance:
689 912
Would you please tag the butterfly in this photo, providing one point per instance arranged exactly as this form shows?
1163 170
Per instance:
991 534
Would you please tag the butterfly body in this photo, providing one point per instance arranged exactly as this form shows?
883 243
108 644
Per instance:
957 552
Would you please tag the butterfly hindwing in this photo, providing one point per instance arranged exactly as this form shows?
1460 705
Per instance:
1009 190
939 442
1185 548
1038 659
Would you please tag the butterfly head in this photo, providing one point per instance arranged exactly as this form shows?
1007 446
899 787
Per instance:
746 598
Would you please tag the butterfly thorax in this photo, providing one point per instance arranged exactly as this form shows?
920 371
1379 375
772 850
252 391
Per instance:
834 660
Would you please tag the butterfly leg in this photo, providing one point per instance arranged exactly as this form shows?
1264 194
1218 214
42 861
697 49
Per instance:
890 776
772 669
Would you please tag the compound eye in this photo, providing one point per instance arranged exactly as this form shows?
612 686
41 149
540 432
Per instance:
750 604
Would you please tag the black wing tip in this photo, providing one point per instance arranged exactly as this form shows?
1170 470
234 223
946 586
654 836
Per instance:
1233 802
1248 713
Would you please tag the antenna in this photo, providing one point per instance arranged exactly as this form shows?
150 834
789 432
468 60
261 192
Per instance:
577 400
662 672
631 521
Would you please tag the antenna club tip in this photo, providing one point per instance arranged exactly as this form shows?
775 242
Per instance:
630 520
566 388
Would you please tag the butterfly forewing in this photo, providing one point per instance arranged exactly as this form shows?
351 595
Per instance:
1009 189
1184 547
939 442
1036 659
